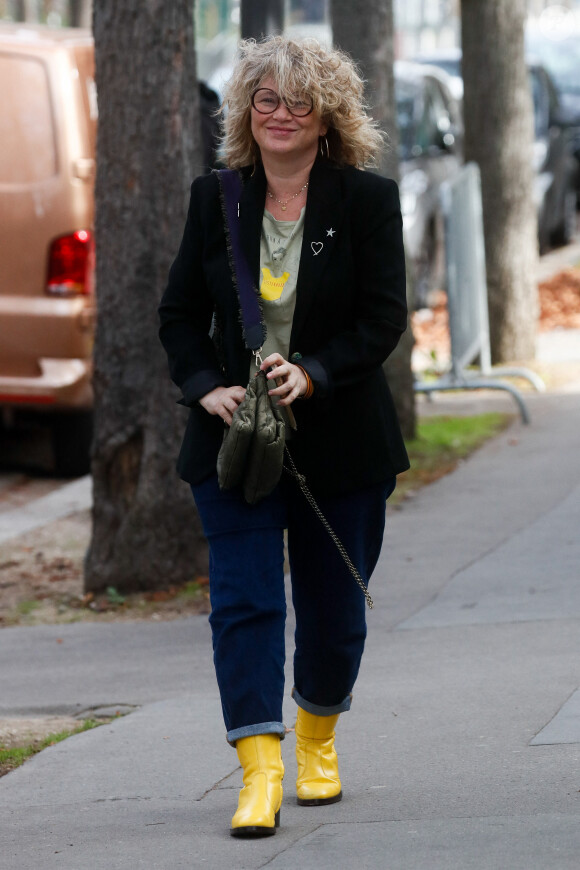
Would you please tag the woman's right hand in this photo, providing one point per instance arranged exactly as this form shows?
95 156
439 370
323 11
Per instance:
223 401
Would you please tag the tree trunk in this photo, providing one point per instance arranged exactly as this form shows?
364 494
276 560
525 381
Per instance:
31 11
368 38
499 136
17 10
80 13
145 531
261 18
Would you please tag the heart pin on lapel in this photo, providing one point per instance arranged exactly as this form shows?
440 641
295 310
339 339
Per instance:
316 247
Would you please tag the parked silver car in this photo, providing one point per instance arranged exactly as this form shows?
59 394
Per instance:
556 175
559 53
430 150
556 168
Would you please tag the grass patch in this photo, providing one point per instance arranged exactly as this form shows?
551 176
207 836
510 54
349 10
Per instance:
14 756
25 608
192 591
114 597
441 443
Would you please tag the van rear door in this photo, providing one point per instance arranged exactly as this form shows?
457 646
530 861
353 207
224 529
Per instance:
28 172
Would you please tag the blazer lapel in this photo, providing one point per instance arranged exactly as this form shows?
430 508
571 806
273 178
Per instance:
323 218
251 215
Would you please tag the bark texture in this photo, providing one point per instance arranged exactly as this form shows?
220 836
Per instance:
145 531
368 36
80 13
499 136
259 18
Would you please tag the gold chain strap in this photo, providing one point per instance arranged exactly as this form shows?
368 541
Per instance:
301 480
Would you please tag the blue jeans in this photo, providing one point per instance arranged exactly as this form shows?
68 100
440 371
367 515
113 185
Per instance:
246 553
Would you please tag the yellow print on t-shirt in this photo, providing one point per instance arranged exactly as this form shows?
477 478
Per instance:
271 288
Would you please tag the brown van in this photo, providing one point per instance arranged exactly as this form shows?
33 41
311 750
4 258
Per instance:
48 118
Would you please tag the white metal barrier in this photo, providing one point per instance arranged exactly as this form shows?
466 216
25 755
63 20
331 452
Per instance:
467 297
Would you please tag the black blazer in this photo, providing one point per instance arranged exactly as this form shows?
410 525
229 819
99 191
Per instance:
350 313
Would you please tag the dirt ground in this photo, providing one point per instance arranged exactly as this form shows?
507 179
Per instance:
15 733
41 581
31 733
20 732
559 309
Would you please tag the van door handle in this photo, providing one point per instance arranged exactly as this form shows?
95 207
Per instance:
84 168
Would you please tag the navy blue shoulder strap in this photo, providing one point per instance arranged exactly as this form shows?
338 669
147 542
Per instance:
252 325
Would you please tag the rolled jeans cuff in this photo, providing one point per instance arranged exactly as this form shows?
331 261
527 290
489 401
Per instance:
317 709
260 728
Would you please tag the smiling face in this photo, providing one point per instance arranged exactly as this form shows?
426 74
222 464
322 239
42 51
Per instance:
282 134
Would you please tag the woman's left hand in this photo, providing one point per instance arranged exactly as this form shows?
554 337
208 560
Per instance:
289 382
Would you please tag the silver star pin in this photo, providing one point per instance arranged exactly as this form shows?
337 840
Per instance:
330 232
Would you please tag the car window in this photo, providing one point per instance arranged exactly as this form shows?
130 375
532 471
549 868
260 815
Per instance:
441 104
541 103
406 96
427 129
553 98
562 60
28 152
451 67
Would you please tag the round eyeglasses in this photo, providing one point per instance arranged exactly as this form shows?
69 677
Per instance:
266 101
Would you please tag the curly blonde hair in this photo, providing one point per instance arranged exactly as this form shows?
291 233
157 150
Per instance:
302 67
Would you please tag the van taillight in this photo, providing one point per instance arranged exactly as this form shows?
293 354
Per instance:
70 265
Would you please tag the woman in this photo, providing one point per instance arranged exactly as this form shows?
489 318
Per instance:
324 243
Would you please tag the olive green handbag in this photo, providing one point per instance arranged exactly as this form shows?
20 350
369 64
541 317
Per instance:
252 452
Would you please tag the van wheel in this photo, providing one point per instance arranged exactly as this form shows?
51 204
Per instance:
72 435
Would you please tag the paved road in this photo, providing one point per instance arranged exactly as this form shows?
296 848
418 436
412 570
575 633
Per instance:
462 747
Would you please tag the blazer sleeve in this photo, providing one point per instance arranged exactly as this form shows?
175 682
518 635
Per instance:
186 311
379 315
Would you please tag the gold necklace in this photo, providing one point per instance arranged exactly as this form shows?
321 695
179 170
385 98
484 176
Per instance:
284 202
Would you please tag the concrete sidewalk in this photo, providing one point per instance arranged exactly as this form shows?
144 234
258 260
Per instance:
63 501
461 750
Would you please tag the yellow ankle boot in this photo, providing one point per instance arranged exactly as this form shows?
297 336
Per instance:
318 781
258 813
